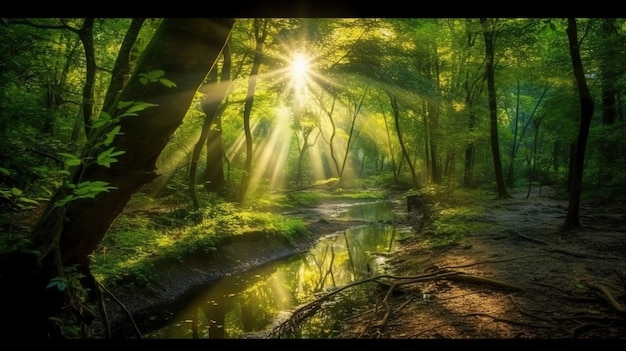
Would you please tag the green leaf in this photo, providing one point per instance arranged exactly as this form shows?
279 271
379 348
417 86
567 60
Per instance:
63 201
103 119
140 106
30 201
90 189
108 156
4 171
16 191
57 282
124 104
155 74
168 83
111 135
70 159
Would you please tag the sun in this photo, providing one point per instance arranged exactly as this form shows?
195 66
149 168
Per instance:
299 67
299 70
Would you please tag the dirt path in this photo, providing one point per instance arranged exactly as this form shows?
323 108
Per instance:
521 278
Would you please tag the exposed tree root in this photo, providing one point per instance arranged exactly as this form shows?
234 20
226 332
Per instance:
510 321
310 308
614 303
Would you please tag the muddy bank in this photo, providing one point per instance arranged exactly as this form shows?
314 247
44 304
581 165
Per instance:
178 280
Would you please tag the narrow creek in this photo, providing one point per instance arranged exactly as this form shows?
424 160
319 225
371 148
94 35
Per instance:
251 304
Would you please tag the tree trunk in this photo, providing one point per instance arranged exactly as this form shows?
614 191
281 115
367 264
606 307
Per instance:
357 108
405 153
86 37
213 178
121 70
392 159
488 32
214 93
572 220
260 31
185 49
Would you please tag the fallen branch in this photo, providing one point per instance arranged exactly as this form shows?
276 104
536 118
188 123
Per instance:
310 308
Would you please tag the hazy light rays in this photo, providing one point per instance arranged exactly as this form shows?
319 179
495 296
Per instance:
271 159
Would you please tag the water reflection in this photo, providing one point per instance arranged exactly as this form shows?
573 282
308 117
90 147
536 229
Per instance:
247 305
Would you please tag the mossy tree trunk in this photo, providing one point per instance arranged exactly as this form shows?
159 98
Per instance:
185 50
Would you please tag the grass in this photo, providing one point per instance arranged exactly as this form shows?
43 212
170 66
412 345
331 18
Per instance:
151 230
454 214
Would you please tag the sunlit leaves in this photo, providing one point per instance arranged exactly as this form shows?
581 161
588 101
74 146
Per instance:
102 120
111 135
70 159
156 76
132 107
84 190
107 157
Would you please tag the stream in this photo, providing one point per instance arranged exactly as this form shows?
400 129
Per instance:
253 303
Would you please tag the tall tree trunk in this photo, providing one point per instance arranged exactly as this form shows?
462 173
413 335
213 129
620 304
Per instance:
65 236
121 70
609 75
213 178
260 33
214 92
572 220
355 114
471 87
405 153
392 159
488 31
333 133
306 145
433 121
85 33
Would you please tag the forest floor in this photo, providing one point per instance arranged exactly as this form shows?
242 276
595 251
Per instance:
519 279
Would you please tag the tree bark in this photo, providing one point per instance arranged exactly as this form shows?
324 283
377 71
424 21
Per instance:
185 49
214 92
121 70
260 31
572 220
488 32
86 37
405 153
213 178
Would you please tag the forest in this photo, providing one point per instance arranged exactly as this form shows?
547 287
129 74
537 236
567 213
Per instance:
203 127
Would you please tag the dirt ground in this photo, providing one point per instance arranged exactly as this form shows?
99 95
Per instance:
520 279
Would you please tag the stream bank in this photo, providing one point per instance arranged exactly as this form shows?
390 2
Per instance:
177 280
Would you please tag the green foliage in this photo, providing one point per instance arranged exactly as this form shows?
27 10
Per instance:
456 214
17 199
135 242
69 283
303 199
156 76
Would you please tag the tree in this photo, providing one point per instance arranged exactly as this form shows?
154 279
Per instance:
214 93
304 124
572 220
122 69
72 226
260 34
405 154
489 34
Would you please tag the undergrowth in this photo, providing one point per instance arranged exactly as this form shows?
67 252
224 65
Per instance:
150 230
